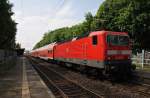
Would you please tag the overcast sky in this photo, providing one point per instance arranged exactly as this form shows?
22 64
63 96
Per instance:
35 17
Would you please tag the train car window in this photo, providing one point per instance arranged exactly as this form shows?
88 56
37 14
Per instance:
94 40
49 51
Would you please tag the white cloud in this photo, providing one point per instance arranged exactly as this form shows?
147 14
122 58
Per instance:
66 10
64 17
58 23
32 27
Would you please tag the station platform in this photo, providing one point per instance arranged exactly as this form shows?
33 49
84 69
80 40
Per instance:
22 81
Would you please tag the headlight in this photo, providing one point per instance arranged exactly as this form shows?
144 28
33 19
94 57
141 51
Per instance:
111 52
126 52
116 52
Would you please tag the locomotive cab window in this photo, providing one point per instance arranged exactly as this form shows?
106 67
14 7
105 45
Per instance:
118 40
49 51
94 40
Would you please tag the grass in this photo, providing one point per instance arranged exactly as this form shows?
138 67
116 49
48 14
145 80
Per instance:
145 68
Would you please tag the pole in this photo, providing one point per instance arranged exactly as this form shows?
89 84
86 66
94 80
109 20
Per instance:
142 58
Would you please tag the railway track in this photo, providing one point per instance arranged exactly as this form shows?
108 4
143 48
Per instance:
145 91
61 86
136 90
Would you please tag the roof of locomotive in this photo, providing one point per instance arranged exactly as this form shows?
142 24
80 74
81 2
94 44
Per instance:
49 47
107 32
92 34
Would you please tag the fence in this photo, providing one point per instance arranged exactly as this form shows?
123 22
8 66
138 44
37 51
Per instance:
142 59
7 59
6 54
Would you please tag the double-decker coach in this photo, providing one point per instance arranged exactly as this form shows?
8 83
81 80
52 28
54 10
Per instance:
46 52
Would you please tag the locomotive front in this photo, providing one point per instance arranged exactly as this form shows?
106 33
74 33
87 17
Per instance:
118 54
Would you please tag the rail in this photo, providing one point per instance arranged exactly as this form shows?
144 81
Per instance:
138 89
61 85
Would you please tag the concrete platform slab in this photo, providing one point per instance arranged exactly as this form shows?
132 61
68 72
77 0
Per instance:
23 81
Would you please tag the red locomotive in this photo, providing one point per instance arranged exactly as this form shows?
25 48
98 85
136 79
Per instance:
103 50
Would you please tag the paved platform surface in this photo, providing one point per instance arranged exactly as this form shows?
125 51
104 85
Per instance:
22 81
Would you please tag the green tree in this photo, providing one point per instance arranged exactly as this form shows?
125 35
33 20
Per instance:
17 46
7 26
87 23
131 16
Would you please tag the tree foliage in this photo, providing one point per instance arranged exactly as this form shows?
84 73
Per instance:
132 16
17 46
7 26
67 33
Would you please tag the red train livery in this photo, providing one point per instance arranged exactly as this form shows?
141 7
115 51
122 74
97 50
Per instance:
105 50
45 52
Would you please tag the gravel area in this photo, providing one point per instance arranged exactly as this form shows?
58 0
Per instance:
101 87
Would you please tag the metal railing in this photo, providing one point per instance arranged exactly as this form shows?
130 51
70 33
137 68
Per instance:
142 59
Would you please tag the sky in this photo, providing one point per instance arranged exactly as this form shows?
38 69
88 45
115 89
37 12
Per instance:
36 17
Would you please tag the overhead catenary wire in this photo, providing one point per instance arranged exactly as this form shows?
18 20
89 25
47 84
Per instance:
47 24
59 6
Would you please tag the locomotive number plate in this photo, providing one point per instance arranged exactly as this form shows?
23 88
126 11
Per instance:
119 57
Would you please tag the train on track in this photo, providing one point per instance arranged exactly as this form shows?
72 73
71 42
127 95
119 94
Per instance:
106 52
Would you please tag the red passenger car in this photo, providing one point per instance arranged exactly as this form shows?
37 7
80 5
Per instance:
46 52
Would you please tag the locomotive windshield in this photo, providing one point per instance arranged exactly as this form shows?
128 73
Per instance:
118 40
